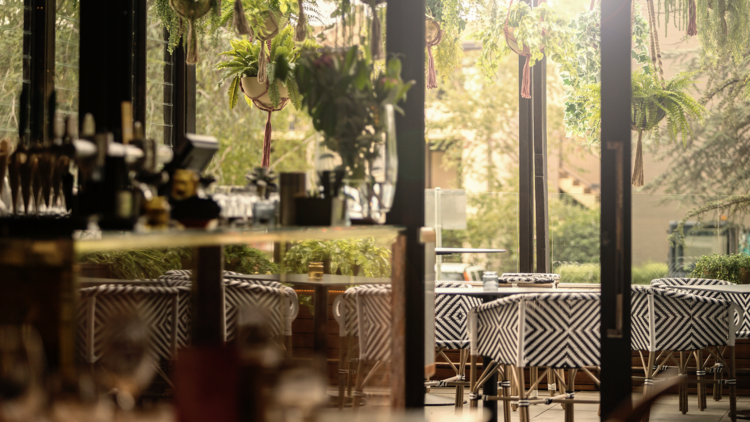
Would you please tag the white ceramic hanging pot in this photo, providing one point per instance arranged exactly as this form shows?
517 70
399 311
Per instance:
258 91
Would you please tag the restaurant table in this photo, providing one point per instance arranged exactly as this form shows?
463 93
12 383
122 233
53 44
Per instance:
737 289
490 386
320 297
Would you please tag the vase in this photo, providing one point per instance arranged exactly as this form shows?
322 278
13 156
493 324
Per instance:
369 190
744 276
258 91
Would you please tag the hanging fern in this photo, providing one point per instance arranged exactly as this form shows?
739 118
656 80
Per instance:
177 28
722 25
449 52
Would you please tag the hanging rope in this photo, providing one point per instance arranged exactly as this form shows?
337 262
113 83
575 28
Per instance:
239 21
638 178
431 75
301 31
376 40
655 50
526 79
692 28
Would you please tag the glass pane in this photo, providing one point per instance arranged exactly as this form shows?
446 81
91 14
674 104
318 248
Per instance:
14 65
67 42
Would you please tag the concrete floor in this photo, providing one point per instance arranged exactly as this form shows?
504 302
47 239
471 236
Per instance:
664 410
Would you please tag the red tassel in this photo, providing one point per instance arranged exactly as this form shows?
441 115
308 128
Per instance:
526 83
431 77
267 144
692 28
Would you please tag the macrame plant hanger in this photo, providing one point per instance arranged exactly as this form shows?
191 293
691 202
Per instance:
191 10
436 39
510 39
376 40
638 178
268 108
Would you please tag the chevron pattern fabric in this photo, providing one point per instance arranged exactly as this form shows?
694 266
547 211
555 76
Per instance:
350 300
681 321
240 295
451 317
553 330
154 305
185 276
536 278
742 300
374 306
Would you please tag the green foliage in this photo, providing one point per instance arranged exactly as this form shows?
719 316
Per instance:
650 101
246 260
282 56
574 232
373 261
582 94
722 26
591 273
540 29
257 11
178 27
448 54
346 102
138 264
722 267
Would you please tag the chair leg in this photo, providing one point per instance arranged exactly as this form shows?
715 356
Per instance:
649 373
473 403
350 372
682 388
506 382
732 386
700 372
569 415
359 384
463 353
523 400
343 370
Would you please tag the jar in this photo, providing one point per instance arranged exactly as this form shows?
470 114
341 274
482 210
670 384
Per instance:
489 281
315 271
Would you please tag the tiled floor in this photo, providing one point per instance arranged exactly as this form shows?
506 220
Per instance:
664 410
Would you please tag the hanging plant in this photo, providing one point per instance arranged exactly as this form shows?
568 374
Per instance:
444 26
582 100
529 32
721 25
280 86
192 11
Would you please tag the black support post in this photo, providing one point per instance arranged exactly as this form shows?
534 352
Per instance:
106 61
541 193
42 27
405 37
208 297
139 61
525 174
615 205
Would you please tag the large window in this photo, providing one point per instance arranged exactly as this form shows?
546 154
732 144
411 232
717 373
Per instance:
15 57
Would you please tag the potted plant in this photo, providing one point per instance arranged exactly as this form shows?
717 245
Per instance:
359 257
354 111
244 69
734 268
529 32
443 27
653 98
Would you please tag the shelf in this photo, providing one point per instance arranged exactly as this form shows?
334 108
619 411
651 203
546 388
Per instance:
113 241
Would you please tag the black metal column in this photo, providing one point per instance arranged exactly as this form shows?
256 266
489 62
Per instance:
525 174
405 37
541 193
615 205
208 296
106 61
140 21
42 27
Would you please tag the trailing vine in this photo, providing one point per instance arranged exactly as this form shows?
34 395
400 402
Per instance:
721 25
449 52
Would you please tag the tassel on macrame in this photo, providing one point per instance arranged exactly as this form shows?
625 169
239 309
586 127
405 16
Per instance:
262 61
431 74
301 31
376 43
638 179
192 52
526 82
692 28
239 21
267 144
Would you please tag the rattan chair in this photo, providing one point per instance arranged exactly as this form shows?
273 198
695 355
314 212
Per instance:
668 322
374 332
345 313
156 306
556 331
742 333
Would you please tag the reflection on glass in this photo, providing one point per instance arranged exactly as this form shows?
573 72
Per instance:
21 366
